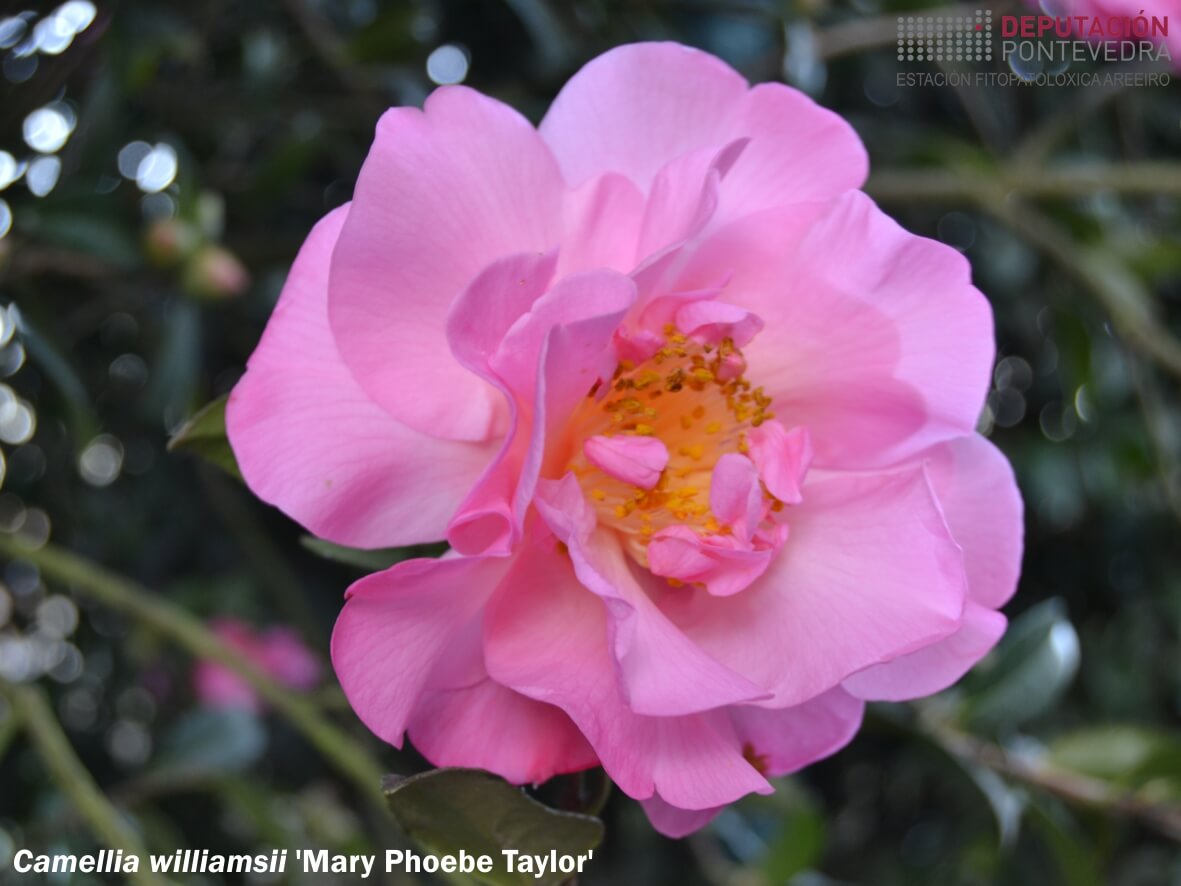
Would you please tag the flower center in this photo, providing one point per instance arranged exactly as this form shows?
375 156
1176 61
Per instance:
692 397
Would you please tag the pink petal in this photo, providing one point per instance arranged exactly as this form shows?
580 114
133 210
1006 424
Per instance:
601 225
547 362
499 296
735 497
662 673
782 457
634 108
875 339
398 626
712 321
976 488
870 572
486 726
636 460
798 152
784 740
674 822
684 195
309 441
722 564
443 193
545 636
935 667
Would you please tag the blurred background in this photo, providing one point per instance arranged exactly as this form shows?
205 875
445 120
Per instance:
160 164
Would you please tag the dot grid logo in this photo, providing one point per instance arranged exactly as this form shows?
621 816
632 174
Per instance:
946 38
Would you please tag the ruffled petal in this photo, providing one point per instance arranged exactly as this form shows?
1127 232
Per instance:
879 344
870 572
635 108
546 637
661 672
784 740
674 822
398 626
443 193
546 362
486 726
935 667
309 440
976 488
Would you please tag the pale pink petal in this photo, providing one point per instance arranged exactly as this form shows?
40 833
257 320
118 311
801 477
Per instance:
875 339
674 822
722 564
636 460
784 740
684 195
443 193
546 363
662 673
486 726
546 637
601 225
634 108
782 457
976 488
398 626
935 667
309 441
735 497
499 296
797 152
711 321
868 573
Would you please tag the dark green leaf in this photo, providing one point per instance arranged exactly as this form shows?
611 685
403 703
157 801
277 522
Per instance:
451 809
1028 673
205 435
368 561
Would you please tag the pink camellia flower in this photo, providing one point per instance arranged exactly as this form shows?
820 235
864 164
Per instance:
694 416
277 652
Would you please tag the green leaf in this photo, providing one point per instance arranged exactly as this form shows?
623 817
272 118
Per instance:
1027 674
1075 859
798 846
1133 757
204 434
368 561
447 810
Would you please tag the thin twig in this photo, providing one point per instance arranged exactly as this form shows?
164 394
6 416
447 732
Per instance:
1077 180
1077 789
349 757
106 822
1117 289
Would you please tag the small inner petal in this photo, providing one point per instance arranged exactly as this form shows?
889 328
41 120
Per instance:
652 437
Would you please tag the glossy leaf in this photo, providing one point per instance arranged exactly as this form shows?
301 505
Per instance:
204 434
1027 674
446 810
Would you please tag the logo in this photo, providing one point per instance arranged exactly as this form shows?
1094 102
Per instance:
946 38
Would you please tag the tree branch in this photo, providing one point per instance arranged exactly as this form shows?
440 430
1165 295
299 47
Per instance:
33 714
349 757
